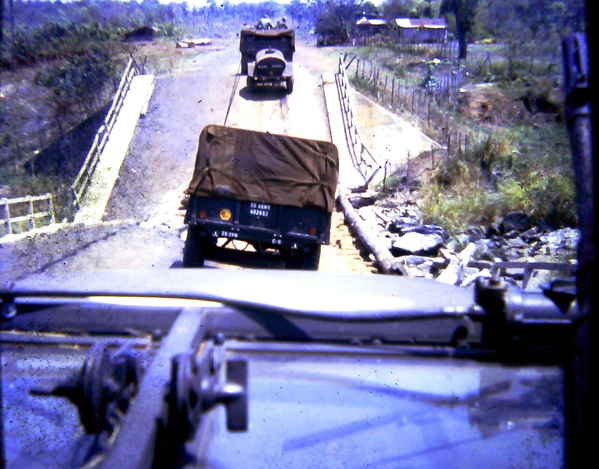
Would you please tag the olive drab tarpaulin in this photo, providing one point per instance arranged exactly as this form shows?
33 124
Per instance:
267 168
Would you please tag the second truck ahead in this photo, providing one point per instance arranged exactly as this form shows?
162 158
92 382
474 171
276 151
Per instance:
267 57
273 192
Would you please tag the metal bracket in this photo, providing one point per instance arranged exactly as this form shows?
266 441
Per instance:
197 385
102 389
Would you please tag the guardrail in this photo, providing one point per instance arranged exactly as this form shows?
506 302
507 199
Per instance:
364 162
499 268
77 189
26 212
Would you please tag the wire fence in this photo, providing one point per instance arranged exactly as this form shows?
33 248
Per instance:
427 101
442 90
440 49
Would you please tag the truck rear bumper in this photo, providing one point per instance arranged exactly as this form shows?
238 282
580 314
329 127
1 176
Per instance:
253 222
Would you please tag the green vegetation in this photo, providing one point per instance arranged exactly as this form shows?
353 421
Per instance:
514 152
493 179
80 79
517 153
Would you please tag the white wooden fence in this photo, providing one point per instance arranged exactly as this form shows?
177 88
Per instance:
29 213
77 189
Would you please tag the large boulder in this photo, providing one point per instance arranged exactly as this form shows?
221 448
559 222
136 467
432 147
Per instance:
423 240
400 224
515 223
560 241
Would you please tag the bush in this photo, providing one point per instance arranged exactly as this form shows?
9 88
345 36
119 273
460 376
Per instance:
488 181
170 30
490 154
82 77
551 199
364 84
458 208
59 40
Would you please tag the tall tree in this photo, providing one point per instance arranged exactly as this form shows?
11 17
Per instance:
1 21
464 12
335 20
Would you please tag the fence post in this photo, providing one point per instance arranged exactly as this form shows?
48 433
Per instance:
392 89
428 117
30 212
51 210
7 217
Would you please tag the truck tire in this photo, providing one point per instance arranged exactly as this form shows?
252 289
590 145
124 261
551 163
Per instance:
194 252
289 83
304 260
244 65
251 83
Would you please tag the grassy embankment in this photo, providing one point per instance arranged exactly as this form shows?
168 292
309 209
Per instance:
504 126
60 66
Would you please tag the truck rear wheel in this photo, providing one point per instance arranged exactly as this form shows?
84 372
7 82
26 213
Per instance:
289 83
304 260
251 83
194 251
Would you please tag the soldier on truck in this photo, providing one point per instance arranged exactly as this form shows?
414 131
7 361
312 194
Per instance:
264 23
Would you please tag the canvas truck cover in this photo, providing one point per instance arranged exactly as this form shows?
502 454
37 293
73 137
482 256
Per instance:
267 168
264 36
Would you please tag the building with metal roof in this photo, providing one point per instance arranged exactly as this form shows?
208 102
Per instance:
419 30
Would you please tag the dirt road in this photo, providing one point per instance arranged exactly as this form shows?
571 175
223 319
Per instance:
203 89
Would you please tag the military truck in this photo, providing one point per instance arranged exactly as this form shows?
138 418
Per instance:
275 193
267 57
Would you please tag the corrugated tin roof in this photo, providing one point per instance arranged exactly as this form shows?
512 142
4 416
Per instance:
372 22
428 23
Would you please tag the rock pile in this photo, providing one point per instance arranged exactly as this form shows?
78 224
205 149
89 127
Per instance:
521 252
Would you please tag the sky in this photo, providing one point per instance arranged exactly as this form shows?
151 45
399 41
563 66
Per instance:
203 2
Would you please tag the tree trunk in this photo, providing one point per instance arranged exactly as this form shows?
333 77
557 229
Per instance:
384 259
463 45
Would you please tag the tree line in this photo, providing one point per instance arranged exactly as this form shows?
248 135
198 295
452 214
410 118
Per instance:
518 21
515 21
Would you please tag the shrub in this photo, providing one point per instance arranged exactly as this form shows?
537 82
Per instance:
486 183
364 84
56 40
552 198
457 208
82 77
490 153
